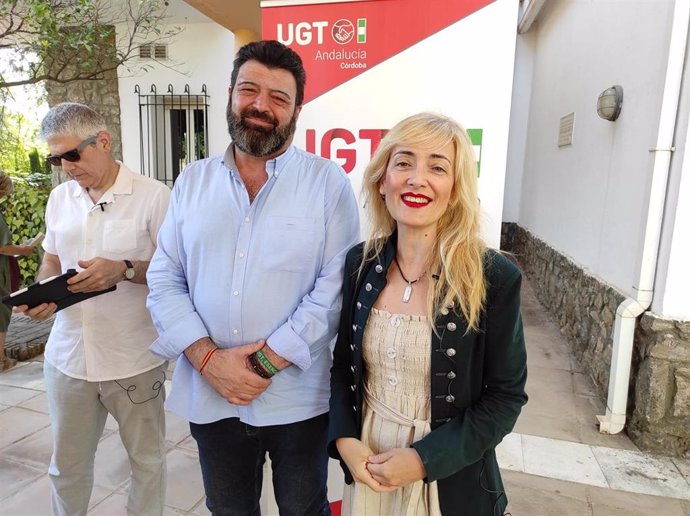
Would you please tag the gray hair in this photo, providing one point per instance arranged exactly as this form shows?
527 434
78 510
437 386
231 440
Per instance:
6 185
71 118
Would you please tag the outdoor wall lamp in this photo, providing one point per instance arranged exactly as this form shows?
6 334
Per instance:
609 103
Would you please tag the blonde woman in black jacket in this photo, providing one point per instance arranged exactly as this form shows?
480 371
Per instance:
429 365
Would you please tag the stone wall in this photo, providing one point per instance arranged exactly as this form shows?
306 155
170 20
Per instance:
585 309
101 94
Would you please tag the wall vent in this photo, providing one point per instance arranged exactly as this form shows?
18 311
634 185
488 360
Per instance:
153 51
565 130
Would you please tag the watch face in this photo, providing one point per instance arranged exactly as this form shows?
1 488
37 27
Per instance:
129 273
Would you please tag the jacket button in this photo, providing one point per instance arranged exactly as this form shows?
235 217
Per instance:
451 326
359 305
368 287
353 368
352 387
444 311
450 398
379 269
391 353
352 347
451 375
450 352
354 407
354 327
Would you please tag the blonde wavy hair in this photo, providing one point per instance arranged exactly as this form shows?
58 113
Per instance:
458 250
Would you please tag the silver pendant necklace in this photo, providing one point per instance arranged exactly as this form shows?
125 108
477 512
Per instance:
407 293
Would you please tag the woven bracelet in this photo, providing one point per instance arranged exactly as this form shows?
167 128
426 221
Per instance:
207 357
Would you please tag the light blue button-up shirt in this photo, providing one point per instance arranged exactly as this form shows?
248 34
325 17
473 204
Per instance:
238 272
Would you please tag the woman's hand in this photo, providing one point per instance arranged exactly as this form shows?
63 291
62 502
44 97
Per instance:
354 452
397 467
25 250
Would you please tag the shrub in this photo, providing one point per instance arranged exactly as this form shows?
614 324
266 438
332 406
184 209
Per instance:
24 212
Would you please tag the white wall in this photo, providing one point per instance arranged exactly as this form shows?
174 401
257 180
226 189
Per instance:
588 200
201 54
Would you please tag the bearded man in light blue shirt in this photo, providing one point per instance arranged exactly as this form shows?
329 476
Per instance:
245 293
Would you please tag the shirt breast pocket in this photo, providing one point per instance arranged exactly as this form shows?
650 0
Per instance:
290 244
119 236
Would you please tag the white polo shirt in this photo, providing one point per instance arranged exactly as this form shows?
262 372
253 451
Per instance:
106 337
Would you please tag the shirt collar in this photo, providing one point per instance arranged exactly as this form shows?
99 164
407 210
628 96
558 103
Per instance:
123 185
274 166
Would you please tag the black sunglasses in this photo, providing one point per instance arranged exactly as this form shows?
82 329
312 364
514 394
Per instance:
70 155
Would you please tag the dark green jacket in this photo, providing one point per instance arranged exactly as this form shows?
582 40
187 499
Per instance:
477 383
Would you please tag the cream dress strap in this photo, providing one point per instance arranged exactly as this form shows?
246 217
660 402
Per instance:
396 409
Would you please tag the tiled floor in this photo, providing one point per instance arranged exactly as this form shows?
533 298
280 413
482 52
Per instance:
555 463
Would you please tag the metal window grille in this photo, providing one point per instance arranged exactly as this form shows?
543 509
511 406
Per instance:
173 131
158 51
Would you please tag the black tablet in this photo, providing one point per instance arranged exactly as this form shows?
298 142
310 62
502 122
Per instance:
51 290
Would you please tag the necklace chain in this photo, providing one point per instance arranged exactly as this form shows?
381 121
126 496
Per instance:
407 293
403 276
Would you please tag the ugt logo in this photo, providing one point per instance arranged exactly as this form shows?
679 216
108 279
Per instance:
343 31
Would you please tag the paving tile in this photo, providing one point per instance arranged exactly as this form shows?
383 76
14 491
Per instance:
112 464
35 450
15 395
549 381
185 487
530 495
683 466
14 476
201 509
33 499
17 423
561 460
509 453
541 403
583 384
176 428
113 505
609 502
28 375
554 427
189 444
37 404
641 473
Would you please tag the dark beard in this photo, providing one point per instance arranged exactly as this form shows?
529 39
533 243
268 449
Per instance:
258 141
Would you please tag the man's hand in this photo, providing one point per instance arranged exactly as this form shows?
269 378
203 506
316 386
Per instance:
397 467
354 452
98 274
228 374
37 313
25 250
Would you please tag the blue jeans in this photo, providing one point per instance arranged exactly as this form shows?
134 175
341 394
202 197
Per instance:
232 455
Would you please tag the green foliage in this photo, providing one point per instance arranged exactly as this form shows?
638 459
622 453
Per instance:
64 41
24 211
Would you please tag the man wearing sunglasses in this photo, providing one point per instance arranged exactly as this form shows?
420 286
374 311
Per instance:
103 223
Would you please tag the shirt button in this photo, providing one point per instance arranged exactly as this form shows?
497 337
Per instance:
450 352
236 293
451 326
235 331
359 305
246 219
241 255
391 353
393 380
368 287
451 375
450 398
379 268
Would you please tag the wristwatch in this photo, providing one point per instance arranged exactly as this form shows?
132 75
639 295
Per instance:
129 272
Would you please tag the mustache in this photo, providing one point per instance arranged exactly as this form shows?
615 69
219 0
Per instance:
255 113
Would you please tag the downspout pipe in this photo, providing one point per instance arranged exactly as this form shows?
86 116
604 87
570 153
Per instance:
632 307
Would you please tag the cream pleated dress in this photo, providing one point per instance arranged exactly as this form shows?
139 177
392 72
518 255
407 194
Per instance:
396 410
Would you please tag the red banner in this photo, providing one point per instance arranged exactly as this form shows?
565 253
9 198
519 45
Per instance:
338 41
